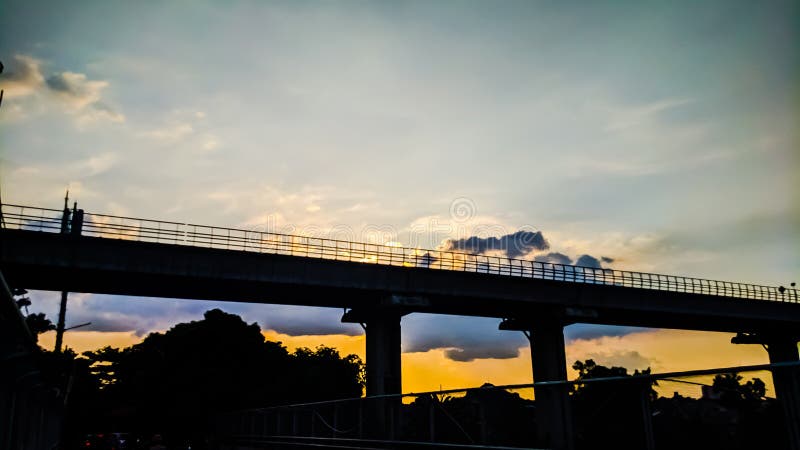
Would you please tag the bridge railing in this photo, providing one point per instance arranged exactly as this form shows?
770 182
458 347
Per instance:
178 233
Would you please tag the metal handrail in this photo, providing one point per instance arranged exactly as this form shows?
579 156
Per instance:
632 378
146 230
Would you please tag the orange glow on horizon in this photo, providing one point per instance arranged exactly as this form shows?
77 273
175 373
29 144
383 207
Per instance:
81 341
345 344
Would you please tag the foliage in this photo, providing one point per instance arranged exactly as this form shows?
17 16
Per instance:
177 382
731 390
610 411
325 374
589 369
37 323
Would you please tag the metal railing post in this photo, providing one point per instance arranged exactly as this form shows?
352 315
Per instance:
361 418
431 419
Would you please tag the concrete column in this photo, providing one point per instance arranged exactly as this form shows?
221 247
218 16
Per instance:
549 362
548 358
383 352
787 385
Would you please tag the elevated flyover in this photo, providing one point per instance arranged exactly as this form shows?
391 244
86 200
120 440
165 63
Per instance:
82 252
118 255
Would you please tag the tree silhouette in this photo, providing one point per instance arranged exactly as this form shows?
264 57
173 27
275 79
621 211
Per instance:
37 323
610 411
730 389
326 375
177 382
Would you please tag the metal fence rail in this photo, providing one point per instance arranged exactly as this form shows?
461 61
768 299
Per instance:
177 233
466 418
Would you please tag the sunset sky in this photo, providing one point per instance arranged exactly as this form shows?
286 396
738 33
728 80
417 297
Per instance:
662 137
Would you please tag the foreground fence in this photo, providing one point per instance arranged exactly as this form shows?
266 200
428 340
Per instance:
729 408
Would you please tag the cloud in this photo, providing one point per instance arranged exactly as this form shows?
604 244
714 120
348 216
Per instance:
76 89
100 111
461 338
304 320
472 338
142 315
172 132
98 163
588 261
583 331
630 359
23 77
211 143
553 257
512 245
82 96
73 92
185 131
481 351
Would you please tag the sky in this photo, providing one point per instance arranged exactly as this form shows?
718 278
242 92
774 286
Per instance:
645 136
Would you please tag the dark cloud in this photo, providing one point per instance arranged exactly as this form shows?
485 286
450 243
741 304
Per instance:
22 76
606 259
588 261
23 69
631 360
554 257
591 331
73 91
462 338
513 245
305 320
469 338
77 90
60 83
486 351
105 323
78 93
142 315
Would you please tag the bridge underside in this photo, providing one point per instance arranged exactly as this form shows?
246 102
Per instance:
47 261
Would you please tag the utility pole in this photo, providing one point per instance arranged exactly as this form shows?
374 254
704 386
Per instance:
62 310
2 221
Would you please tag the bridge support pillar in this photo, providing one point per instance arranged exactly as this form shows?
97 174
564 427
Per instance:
548 358
782 349
382 327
